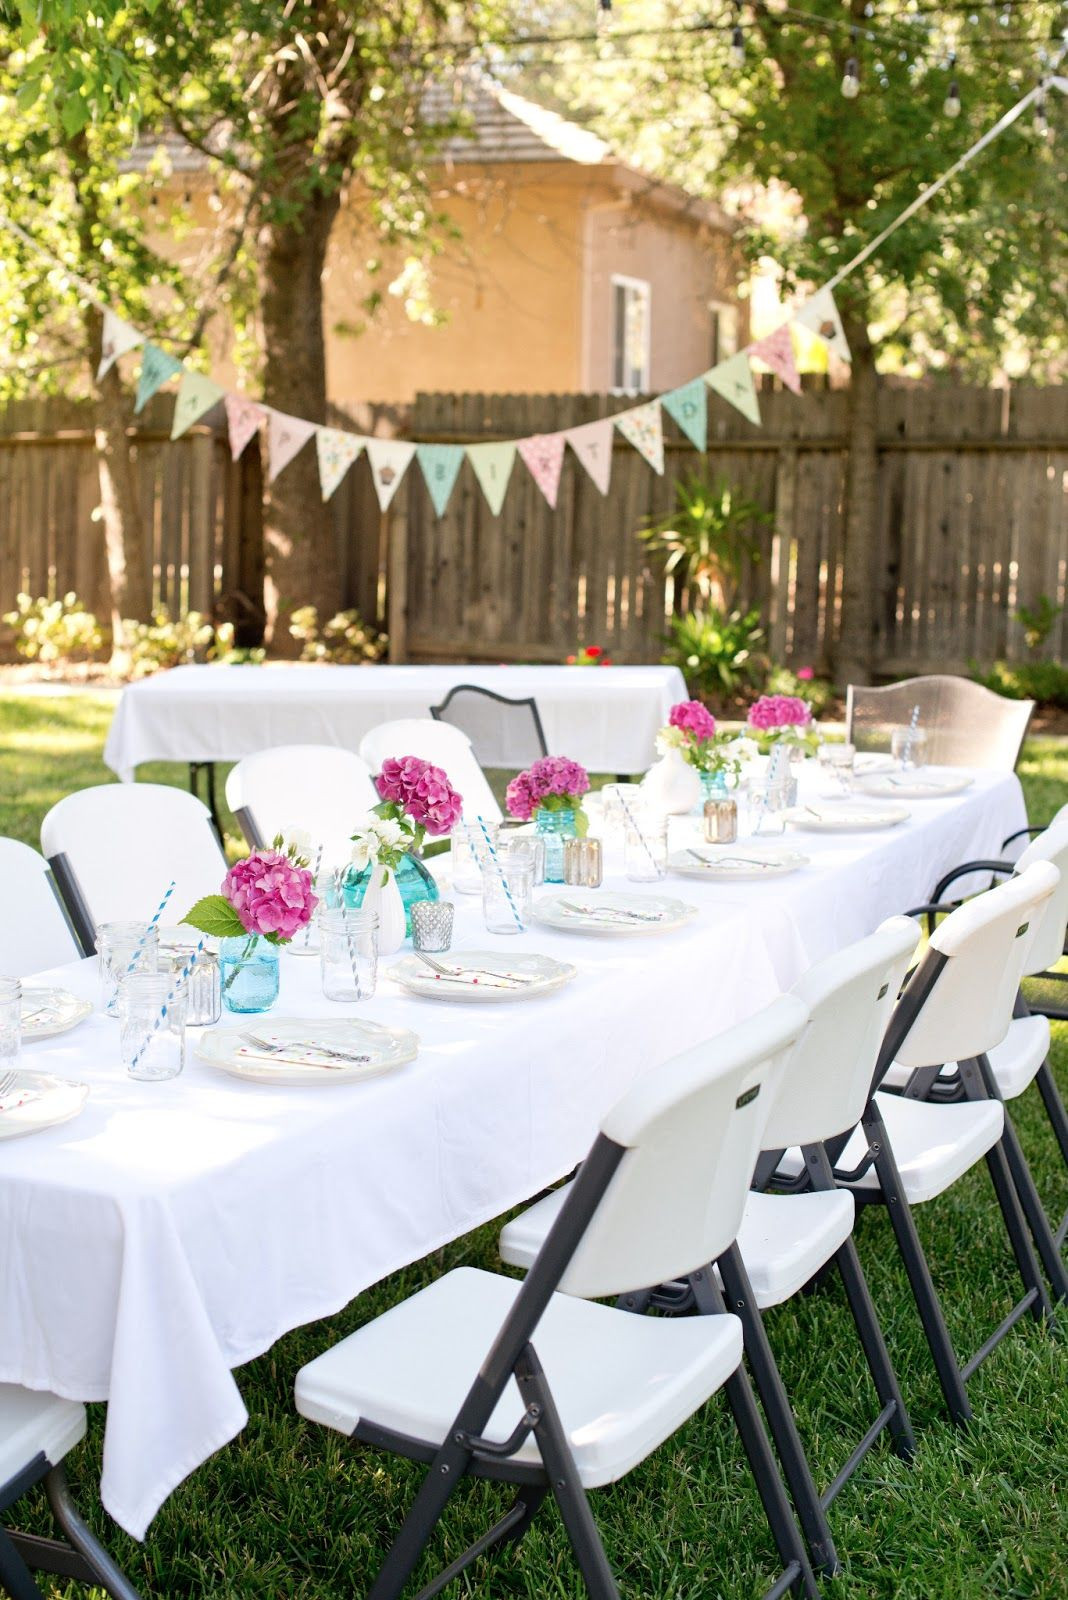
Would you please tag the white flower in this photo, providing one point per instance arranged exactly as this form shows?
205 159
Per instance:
669 738
392 835
364 849
297 841
743 749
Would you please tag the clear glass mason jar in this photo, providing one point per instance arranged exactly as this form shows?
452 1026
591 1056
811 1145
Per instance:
151 1026
348 953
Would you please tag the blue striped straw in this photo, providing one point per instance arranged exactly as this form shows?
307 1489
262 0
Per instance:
914 722
154 923
495 858
628 813
182 979
315 880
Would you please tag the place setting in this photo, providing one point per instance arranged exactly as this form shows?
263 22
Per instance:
306 1051
739 863
31 1101
481 976
48 1012
924 783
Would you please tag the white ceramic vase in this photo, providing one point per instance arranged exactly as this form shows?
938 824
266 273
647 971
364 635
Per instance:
671 785
385 898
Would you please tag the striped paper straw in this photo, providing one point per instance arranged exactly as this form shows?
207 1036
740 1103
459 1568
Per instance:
154 923
495 858
350 944
315 880
914 722
180 982
628 813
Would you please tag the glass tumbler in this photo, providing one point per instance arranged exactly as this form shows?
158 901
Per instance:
124 948
525 849
840 766
618 798
770 806
151 1026
348 952
203 987
467 847
506 894
908 747
645 847
10 1023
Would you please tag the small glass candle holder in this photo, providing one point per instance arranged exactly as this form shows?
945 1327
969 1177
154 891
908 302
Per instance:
908 747
124 948
151 1026
645 847
721 820
432 925
583 862
10 1023
348 952
506 894
467 850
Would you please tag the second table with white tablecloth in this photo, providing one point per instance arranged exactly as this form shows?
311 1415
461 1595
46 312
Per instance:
174 1231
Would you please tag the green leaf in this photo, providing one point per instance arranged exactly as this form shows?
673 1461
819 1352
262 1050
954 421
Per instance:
74 115
214 915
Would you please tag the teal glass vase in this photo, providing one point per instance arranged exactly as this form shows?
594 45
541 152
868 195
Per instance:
414 881
248 973
554 827
713 786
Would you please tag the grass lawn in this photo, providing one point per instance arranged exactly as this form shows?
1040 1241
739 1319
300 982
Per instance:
289 1510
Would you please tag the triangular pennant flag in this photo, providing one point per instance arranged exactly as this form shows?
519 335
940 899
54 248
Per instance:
440 464
820 316
196 394
156 367
285 436
116 339
733 379
592 443
643 427
389 460
492 465
243 418
777 352
544 456
689 407
337 451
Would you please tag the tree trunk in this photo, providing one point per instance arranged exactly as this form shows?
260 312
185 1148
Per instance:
856 644
302 565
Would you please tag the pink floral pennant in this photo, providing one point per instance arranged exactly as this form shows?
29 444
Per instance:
544 456
286 436
777 352
244 419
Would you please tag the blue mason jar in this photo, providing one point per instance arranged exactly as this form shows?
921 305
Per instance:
554 827
713 787
248 973
414 881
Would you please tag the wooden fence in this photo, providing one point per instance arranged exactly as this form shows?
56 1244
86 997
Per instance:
972 522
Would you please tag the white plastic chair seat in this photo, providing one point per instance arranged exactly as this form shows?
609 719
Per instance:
34 1422
1014 1062
622 1384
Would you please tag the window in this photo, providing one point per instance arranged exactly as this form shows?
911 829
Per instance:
724 331
630 335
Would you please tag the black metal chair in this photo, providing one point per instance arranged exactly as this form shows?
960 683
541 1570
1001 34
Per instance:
503 732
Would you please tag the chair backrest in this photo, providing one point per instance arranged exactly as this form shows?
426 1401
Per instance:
983 950
35 931
447 747
115 848
966 725
321 788
691 1132
1048 943
850 995
503 732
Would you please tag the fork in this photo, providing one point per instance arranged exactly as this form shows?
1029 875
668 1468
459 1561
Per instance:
620 913
722 861
7 1081
481 972
320 1049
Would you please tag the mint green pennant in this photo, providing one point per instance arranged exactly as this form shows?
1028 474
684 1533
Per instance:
440 464
688 406
156 367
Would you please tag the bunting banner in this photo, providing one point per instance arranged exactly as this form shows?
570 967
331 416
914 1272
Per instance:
592 442
196 395
389 460
688 407
440 464
286 436
244 419
777 352
643 427
492 464
117 338
733 380
544 456
820 316
336 451
156 368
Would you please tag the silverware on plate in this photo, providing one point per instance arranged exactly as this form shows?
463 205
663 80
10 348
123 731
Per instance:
460 974
268 1047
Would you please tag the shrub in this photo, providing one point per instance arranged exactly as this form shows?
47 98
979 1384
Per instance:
717 651
1038 621
1044 681
705 537
163 642
816 692
346 639
54 630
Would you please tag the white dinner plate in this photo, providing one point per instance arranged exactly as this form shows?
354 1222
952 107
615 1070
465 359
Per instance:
483 975
611 913
46 1012
39 1100
386 1048
927 784
740 862
844 816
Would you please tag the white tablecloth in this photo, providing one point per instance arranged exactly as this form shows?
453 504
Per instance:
173 1231
605 717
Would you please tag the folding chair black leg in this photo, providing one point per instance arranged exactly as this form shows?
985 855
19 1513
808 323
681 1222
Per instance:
1055 1111
875 1351
443 1475
15 1579
93 1553
1016 1228
738 1293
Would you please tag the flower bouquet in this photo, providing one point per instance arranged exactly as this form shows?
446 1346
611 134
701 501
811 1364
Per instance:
785 717
386 874
691 730
590 655
551 793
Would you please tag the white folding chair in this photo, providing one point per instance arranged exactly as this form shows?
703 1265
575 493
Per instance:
37 1431
447 747
596 1390
115 848
321 788
966 725
785 1240
35 931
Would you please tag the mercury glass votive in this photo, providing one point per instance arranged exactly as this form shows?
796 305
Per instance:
583 862
721 820
432 925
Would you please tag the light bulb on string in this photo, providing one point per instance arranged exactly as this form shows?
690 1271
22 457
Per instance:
604 15
951 104
737 46
851 79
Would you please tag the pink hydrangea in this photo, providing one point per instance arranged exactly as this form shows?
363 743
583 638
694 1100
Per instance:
805 674
551 778
693 718
270 894
422 791
773 711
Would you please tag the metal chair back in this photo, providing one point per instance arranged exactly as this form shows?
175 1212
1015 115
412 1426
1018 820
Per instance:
966 725
503 732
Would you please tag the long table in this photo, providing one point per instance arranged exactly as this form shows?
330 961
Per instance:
174 1231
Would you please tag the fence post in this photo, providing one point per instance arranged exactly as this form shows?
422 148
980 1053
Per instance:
395 533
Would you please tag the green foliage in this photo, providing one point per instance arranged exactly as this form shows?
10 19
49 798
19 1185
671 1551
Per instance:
215 916
54 630
1038 620
1044 681
718 652
816 692
345 639
166 642
706 536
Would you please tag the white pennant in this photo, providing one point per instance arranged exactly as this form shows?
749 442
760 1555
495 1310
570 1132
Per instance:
285 436
389 460
336 451
819 315
117 338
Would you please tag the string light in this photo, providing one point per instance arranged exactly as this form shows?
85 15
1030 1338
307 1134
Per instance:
951 105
